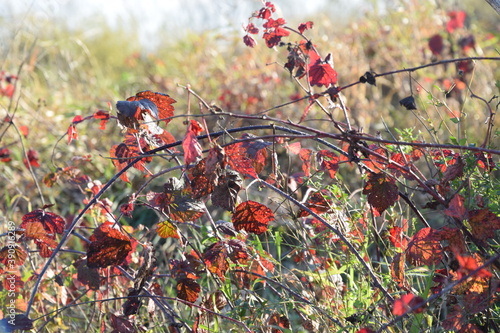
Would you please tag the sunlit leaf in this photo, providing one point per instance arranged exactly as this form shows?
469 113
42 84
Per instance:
109 246
166 229
424 248
252 217
51 222
188 290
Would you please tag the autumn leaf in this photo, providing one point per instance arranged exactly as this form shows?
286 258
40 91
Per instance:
405 303
424 248
188 290
252 217
216 255
87 276
456 208
328 161
457 19
12 255
157 105
51 222
436 44
225 194
454 237
306 157
468 264
177 201
103 116
109 246
277 320
32 159
397 237
398 270
167 229
318 203
239 161
5 155
381 190
321 73
483 223
305 26
249 41
45 242
190 144
121 324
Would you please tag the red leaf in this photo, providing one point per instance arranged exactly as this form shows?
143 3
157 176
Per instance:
42 239
249 41
317 203
424 248
5 155
398 270
403 304
436 44
457 19
190 144
252 217
177 201
77 119
328 161
397 237
32 159
321 73
277 320
456 208
109 246
51 222
252 29
469 264
188 290
305 26
294 148
306 157
239 161
483 223
381 190
24 130
72 133
103 116
12 254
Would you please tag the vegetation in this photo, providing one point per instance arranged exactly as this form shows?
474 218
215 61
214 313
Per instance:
276 188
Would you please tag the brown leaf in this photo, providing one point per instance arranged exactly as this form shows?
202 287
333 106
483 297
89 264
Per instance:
109 246
483 223
225 194
188 290
381 190
12 255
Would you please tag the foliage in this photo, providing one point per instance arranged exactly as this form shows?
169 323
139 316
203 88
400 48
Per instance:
285 215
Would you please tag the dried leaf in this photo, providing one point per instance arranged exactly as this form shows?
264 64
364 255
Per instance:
381 190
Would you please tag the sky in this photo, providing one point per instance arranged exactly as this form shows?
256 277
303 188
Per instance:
173 15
